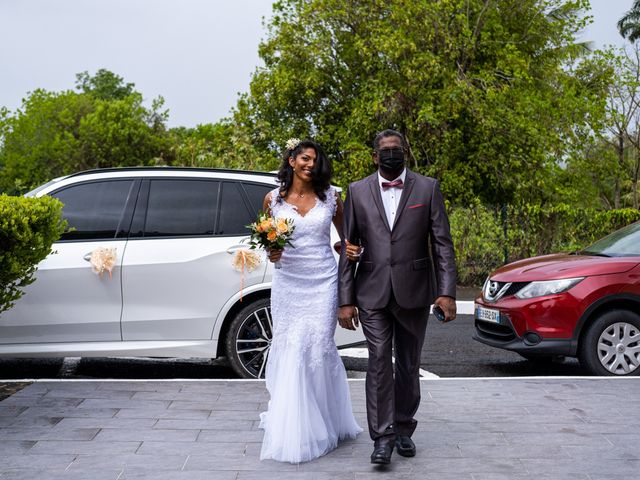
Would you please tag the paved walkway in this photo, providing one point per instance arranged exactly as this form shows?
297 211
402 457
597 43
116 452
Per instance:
480 429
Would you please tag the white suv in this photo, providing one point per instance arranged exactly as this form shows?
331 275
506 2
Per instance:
173 291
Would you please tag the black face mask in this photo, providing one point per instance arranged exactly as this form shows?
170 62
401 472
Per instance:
391 159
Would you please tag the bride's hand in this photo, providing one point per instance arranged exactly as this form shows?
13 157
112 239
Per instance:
274 254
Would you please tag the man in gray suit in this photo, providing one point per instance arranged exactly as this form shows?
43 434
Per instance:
407 263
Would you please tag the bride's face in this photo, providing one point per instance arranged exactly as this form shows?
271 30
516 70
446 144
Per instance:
303 164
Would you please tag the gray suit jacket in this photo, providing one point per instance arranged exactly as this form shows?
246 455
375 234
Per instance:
415 260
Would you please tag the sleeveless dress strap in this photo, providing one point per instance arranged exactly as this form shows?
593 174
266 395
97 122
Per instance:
275 194
330 201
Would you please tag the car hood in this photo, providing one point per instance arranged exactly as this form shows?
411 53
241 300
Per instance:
562 265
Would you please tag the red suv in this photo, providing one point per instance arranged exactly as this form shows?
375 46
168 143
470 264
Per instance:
584 304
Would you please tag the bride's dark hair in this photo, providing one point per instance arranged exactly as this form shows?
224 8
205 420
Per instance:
321 173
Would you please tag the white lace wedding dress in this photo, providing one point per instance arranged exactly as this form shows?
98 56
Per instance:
310 406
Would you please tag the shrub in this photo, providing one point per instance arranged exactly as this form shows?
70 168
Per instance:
28 228
485 238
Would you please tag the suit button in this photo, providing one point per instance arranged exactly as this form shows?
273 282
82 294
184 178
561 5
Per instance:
393 264
393 242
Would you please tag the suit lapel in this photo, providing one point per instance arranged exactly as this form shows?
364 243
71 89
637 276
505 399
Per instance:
409 181
377 198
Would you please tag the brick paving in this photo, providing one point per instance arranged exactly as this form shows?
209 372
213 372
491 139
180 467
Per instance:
470 429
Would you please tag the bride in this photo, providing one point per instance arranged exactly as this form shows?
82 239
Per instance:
310 407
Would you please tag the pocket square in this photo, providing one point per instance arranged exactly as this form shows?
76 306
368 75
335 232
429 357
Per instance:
417 205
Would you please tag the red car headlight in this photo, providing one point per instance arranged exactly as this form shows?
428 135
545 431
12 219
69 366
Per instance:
547 287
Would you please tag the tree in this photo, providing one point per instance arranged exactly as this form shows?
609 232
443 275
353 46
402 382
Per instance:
607 166
104 85
57 133
629 24
491 93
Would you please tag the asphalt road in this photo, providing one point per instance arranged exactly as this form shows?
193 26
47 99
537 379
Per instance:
449 351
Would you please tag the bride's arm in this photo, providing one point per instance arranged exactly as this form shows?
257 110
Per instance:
353 251
338 218
266 203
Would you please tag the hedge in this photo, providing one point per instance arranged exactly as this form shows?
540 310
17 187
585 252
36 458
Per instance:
28 228
488 237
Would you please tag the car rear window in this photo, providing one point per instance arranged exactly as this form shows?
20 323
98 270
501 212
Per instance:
235 215
181 207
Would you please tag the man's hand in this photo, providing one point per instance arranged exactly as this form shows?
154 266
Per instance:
448 306
348 317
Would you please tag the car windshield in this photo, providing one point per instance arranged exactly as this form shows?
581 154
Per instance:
621 243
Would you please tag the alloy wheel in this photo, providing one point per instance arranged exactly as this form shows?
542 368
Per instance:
253 341
619 348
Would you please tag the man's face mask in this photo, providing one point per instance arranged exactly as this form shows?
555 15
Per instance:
391 159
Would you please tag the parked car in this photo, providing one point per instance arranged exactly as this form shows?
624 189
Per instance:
584 304
173 291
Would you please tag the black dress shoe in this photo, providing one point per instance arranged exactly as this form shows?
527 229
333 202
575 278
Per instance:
382 453
405 446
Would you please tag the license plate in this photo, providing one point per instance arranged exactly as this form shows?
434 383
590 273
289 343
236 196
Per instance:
487 314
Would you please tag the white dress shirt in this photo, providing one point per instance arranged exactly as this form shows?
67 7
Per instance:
391 197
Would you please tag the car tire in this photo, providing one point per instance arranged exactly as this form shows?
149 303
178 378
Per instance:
606 348
249 339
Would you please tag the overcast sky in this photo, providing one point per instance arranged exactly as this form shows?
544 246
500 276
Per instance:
197 54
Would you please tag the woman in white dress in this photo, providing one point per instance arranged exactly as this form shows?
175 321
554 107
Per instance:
310 407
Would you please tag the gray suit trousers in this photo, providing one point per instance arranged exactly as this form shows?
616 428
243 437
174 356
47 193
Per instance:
393 399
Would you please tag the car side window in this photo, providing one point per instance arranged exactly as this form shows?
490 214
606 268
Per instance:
256 194
235 215
181 208
94 210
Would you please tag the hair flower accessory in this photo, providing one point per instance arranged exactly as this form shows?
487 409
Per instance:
292 143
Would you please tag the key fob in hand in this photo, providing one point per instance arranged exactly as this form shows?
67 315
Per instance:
438 313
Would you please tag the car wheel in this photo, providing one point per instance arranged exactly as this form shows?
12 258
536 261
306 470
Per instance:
249 339
611 345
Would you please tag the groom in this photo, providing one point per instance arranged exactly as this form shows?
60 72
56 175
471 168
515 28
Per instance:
407 263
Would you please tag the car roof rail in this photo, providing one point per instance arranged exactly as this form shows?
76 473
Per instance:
169 169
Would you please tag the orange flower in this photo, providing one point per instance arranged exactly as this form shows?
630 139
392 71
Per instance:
272 235
265 225
282 226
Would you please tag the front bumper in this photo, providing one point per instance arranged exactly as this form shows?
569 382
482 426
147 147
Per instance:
549 346
526 329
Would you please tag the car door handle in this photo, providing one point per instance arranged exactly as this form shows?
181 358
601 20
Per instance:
234 248
242 244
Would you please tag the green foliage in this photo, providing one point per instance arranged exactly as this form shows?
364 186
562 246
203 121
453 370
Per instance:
629 24
477 239
55 134
28 228
104 85
219 145
492 94
484 238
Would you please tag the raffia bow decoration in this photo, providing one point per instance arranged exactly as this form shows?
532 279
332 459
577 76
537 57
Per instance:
245 259
103 259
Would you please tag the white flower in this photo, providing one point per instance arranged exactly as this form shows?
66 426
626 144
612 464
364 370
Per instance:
292 143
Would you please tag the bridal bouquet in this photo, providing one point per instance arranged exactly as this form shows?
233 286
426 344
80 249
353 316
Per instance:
271 233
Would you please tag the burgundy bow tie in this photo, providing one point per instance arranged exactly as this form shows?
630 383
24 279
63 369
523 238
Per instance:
396 183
